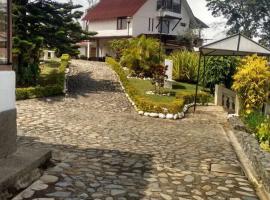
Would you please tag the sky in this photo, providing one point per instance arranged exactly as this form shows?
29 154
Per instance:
200 10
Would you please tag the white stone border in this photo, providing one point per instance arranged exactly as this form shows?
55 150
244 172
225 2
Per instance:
170 116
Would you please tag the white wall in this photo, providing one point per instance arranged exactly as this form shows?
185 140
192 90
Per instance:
149 10
108 28
7 90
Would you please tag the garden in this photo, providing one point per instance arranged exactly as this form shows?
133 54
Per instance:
137 63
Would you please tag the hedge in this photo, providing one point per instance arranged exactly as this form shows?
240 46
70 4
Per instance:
46 91
148 105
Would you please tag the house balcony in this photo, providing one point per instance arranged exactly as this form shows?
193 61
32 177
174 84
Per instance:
169 14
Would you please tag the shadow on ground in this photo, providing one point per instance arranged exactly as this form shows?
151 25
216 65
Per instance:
103 172
82 84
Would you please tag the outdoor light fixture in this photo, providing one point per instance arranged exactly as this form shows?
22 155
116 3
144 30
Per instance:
128 23
5 35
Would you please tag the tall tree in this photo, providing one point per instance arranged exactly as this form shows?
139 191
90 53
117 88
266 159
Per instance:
44 24
242 16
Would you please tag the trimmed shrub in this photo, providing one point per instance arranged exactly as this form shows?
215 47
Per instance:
148 105
49 90
251 82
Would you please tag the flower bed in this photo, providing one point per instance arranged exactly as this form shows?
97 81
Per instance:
173 108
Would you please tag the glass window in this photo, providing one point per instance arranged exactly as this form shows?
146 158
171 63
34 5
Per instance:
170 5
121 23
176 6
3 32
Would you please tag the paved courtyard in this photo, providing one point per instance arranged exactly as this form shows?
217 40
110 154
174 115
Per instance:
103 150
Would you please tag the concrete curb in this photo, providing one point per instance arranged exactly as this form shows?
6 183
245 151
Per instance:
247 166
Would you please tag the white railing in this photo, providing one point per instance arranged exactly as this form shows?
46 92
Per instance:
227 99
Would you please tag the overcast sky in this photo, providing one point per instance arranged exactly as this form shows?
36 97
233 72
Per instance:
200 10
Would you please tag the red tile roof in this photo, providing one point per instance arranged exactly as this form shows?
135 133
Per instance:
109 9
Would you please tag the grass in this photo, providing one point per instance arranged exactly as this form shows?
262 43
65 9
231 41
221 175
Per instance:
145 85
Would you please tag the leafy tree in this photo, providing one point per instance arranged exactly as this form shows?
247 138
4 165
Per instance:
141 55
43 24
250 17
242 15
220 70
119 46
251 82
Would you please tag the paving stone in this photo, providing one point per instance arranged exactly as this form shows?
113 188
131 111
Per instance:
102 148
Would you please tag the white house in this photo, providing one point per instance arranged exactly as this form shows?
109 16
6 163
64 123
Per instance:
113 19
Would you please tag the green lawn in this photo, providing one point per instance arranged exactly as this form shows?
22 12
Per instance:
145 85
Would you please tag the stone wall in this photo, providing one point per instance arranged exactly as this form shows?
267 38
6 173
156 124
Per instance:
260 160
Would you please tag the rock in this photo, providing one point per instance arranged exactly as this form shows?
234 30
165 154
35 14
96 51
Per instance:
175 117
165 196
49 179
206 187
146 114
80 184
44 199
116 192
83 196
169 116
59 194
162 116
154 115
181 115
38 185
27 193
113 186
141 112
189 179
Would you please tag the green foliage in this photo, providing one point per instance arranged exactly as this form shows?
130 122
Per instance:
185 65
242 16
263 133
141 54
250 17
251 82
189 97
118 47
220 70
159 75
50 85
253 120
43 24
148 104
260 125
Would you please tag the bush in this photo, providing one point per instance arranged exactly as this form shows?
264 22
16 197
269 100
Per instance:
49 90
185 65
141 54
118 47
220 70
189 97
263 133
141 102
252 83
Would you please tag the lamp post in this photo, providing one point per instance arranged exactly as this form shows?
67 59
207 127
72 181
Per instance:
161 11
128 23
5 35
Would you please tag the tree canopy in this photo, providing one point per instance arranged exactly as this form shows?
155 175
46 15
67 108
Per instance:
250 17
45 24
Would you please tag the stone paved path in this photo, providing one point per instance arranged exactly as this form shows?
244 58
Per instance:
104 150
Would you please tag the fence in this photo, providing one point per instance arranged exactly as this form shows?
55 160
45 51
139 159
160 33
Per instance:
229 100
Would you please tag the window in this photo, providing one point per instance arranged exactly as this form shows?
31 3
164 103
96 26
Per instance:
3 32
121 23
151 24
170 5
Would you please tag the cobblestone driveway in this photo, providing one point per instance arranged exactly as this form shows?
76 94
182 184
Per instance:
104 150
